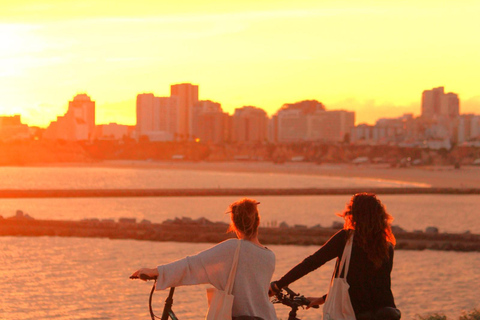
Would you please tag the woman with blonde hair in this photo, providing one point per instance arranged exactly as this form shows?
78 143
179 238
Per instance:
366 245
255 267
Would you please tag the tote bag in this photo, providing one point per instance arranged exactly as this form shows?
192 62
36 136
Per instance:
338 305
220 303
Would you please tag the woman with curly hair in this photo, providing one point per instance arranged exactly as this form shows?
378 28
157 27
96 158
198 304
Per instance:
367 243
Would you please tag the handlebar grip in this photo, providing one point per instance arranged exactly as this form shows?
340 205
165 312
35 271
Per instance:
144 277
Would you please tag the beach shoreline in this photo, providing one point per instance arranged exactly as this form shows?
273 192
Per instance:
418 176
424 176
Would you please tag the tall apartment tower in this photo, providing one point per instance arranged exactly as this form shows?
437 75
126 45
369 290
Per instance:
450 105
145 114
250 125
156 117
436 103
84 110
77 124
187 96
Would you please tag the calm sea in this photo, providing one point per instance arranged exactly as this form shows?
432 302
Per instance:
72 278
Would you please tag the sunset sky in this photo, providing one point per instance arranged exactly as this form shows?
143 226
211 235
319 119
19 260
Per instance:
372 57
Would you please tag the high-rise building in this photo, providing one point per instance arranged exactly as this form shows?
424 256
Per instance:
209 122
167 112
450 105
468 128
145 114
249 125
292 123
309 121
436 103
12 128
83 110
330 126
156 117
77 124
187 96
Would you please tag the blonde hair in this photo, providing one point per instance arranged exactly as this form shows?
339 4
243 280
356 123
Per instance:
244 217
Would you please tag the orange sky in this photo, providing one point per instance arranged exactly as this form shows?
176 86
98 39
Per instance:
373 57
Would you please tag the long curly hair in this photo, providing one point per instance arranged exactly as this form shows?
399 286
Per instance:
368 217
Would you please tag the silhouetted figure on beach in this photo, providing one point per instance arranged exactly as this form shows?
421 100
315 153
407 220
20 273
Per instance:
366 244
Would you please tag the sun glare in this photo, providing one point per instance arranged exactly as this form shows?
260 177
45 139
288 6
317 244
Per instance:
262 54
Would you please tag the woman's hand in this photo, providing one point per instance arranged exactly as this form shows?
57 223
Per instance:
151 273
314 301
273 290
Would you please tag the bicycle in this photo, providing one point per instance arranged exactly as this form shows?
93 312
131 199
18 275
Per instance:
286 296
167 309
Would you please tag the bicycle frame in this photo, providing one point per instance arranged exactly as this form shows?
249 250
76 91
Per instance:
286 297
167 309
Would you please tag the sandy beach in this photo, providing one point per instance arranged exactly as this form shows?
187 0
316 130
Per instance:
434 176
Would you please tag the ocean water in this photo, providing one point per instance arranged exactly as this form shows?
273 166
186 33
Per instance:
76 278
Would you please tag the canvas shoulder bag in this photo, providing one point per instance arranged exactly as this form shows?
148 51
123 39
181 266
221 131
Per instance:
338 305
220 303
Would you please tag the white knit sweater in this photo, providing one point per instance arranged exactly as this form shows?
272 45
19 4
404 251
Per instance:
254 272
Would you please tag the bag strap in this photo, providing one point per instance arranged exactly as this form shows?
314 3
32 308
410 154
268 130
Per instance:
347 253
233 271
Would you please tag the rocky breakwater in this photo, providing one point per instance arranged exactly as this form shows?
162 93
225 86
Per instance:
203 230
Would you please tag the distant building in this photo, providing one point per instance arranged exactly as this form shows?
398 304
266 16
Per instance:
156 117
12 128
77 124
249 125
187 97
436 103
145 114
292 125
112 131
210 123
291 120
330 126
468 128
386 131
309 121
363 133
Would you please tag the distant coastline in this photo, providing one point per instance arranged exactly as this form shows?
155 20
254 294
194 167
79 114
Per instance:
422 176
437 168
205 192
203 230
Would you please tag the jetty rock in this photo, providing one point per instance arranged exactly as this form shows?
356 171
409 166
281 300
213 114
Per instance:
203 230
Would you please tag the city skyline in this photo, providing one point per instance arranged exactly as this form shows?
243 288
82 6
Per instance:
371 58
172 95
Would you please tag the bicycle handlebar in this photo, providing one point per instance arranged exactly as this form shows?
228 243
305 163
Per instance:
291 299
144 277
